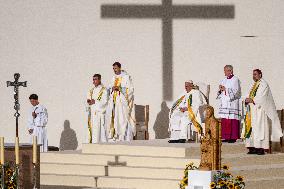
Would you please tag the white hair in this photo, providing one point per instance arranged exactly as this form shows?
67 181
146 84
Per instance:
230 67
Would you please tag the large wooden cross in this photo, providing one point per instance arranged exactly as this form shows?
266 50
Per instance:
16 84
167 12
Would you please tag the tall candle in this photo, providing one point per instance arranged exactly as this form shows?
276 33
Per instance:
34 149
2 150
17 154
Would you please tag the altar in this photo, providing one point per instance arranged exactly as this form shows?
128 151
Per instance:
26 170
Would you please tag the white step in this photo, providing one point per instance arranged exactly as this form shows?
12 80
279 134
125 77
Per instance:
116 171
72 169
134 150
137 183
108 182
156 148
98 159
67 180
259 171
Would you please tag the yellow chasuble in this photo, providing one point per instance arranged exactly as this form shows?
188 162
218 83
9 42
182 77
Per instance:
252 94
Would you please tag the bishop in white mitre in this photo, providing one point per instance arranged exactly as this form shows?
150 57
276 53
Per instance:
97 99
121 126
37 121
185 119
261 119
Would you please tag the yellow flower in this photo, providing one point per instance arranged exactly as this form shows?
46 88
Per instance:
222 183
212 185
190 164
230 185
9 172
225 167
228 174
237 187
240 178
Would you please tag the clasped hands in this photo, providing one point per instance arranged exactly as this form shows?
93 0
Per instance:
248 100
183 109
222 88
115 88
34 115
91 101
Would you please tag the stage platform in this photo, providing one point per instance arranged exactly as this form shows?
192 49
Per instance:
148 164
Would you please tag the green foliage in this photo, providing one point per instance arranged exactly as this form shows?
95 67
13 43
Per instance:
10 176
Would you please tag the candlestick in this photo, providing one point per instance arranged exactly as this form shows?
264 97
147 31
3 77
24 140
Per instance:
17 150
34 149
2 150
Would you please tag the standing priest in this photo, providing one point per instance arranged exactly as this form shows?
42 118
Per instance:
97 102
120 107
184 116
37 121
261 119
229 111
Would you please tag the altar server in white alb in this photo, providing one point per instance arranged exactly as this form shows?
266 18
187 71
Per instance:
185 119
229 111
97 98
37 121
261 119
120 116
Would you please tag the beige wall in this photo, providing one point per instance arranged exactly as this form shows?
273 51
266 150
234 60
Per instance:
57 45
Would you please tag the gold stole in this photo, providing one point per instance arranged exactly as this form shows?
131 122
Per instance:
101 94
89 118
90 113
252 94
177 103
117 83
192 116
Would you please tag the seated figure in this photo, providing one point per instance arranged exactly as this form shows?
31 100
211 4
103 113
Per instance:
184 118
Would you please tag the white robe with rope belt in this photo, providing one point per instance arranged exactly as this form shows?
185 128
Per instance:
38 124
265 121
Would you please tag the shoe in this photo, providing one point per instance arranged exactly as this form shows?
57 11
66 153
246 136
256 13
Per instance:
173 141
232 141
260 151
182 140
252 151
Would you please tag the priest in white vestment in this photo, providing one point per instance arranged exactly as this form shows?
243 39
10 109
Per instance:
229 111
185 119
261 119
121 126
97 99
37 121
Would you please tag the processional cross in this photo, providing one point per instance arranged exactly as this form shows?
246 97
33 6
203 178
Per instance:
167 12
16 84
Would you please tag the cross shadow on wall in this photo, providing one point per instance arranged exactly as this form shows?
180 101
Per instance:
167 12
161 124
68 139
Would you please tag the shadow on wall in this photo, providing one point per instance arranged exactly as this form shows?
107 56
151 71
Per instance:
68 139
161 124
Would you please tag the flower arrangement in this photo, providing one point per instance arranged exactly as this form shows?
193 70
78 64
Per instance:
10 176
184 181
225 180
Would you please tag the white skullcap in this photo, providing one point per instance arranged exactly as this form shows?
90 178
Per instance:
189 81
